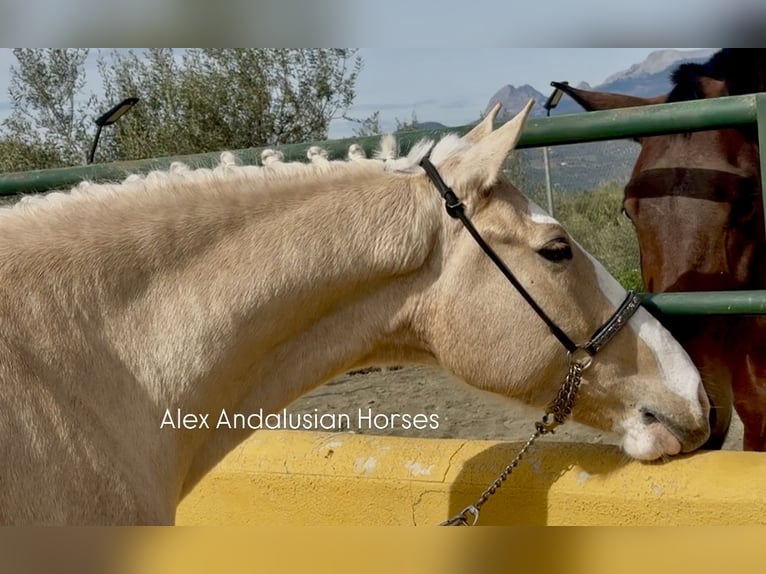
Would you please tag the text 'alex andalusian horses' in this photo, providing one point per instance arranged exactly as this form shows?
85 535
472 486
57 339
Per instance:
243 287
695 200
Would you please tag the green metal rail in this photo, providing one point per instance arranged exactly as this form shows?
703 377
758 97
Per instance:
566 129
707 303
557 130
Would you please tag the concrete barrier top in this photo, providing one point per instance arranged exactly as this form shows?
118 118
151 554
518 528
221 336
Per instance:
310 478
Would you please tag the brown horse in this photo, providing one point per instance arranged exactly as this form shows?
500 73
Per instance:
695 201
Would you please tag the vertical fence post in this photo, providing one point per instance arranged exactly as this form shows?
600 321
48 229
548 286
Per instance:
548 188
760 120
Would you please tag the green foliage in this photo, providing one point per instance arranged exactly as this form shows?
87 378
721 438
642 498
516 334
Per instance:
49 124
227 98
407 126
365 127
191 101
20 156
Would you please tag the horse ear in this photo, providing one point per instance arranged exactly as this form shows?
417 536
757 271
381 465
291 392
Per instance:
480 166
485 126
595 101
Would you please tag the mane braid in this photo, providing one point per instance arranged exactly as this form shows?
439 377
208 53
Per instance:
179 177
448 146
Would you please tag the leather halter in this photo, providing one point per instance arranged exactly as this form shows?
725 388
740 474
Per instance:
603 334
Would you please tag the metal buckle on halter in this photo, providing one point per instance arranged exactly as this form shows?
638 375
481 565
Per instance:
453 204
451 201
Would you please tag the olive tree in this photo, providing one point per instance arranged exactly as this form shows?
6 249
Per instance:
191 101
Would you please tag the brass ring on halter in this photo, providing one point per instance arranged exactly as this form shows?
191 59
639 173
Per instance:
581 357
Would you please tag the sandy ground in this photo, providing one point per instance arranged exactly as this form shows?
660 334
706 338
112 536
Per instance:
463 412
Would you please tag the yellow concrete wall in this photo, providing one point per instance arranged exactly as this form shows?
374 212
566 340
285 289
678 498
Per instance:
308 478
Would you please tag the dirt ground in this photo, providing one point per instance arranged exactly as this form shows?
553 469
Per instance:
463 412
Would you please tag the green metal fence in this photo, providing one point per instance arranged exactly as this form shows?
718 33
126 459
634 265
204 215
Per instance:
566 129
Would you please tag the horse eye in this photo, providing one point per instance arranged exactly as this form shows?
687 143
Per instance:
743 209
625 213
556 250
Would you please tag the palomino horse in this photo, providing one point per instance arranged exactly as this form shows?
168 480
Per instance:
695 201
241 288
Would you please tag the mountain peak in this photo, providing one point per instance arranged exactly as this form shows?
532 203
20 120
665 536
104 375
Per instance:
658 61
513 99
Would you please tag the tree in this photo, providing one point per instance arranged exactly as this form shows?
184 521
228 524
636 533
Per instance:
191 101
215 99
20 156
49 122
407 126
369 126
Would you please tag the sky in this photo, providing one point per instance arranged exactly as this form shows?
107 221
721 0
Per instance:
453 86
448 85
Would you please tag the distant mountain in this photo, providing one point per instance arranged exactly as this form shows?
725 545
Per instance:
513 99
659 61
429 126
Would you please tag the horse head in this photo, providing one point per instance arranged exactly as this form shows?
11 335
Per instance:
642 385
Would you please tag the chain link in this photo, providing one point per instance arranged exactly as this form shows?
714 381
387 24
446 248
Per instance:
555 415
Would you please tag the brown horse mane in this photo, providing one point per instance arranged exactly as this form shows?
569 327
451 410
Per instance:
686 80
743 71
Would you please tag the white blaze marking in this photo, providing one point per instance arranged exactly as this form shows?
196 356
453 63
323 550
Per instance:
677 370
539 215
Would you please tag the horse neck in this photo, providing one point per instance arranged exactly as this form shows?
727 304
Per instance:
246 299
322 285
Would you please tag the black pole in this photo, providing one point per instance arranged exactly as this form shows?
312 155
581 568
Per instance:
95 143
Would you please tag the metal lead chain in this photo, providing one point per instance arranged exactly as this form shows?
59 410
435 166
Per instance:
562 406
461 519
554 416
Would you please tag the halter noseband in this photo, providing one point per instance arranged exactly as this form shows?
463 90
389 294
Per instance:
603 334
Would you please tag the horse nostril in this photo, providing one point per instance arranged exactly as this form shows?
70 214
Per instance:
648 417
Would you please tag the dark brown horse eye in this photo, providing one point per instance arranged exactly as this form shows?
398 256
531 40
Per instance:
556 250
744 205
743 209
